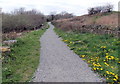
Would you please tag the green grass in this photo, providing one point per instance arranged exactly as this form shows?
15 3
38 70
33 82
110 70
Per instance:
99 51
20 64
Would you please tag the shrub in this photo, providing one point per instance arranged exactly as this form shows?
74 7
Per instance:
20 20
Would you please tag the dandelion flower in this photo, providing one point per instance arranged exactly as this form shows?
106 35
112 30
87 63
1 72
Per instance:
103 47
115 79
82 55
107 72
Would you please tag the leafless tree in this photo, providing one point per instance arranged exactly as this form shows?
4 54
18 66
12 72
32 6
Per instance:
62 15
109 8
100 9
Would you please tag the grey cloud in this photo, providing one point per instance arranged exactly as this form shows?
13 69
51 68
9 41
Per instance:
78 7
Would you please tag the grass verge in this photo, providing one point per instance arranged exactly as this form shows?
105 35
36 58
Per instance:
99 51
20 64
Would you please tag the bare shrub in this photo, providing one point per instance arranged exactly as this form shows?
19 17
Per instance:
20 20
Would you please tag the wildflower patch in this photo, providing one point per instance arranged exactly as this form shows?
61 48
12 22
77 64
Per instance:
99 51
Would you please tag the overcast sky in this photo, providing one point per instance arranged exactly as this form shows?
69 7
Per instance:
77 7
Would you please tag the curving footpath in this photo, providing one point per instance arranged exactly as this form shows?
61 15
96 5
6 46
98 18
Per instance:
59 64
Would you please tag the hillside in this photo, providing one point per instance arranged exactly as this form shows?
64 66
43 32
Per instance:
96 22
95 39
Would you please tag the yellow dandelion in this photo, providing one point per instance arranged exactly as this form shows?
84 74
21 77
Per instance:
94 68
112 73
107 72
103 47
82 55
106 64
83 59
115 79
70 42
106 57
101 68
112 67
97 68
107 54
116 76
65 40
112 57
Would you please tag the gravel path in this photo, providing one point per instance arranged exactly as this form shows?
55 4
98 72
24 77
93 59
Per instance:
59 64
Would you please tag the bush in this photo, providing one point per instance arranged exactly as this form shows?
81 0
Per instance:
20 20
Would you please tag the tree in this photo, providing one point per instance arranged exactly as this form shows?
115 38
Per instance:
109 8
100 9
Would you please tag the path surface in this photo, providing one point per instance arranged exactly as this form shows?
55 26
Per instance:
59 64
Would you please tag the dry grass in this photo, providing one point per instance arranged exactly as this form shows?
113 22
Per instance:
106 22
109 20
